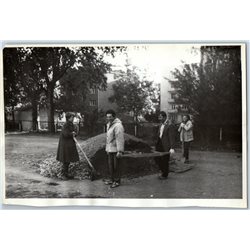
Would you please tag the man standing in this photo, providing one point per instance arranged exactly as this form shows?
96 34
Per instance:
165 143
114 147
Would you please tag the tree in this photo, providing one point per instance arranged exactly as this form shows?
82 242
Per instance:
44 67
77 82
55 62
12 93
23 84
32 86
221 70
212 89
133 94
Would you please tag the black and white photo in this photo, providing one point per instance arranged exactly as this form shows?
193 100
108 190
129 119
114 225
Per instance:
146 125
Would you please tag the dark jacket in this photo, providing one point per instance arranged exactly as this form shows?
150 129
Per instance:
67 151
168 136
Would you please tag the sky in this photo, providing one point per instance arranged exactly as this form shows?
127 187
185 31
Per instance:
158 60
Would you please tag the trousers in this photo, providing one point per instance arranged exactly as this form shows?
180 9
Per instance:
162 161
66 167
114 168
186 149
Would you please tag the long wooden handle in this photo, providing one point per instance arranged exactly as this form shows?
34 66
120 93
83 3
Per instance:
90 164
144 155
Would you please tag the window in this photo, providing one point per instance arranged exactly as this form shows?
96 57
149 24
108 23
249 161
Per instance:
173 106
173 117
92 103
172 85
93 91
172 95
184 107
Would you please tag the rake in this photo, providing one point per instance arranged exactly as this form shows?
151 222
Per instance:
93 171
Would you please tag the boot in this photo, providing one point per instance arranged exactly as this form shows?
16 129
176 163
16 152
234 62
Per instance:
64 173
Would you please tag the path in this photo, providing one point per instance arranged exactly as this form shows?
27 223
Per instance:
215 175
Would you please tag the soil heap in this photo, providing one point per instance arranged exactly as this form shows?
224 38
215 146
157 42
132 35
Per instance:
94 148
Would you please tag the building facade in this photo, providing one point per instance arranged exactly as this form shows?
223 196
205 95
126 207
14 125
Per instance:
168 103
98 100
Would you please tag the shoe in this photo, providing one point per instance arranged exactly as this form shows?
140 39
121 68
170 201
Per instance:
162 177
69 177
115 184
186 161
64 177
108 182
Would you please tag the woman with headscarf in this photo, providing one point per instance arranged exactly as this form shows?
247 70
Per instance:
67 151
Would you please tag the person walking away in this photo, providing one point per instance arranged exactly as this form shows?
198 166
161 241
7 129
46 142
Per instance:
67 151
114 147
165 143
186 136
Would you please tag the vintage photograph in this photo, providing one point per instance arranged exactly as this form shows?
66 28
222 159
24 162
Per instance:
125 124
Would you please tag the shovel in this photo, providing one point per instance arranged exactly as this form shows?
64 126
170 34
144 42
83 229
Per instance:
93 171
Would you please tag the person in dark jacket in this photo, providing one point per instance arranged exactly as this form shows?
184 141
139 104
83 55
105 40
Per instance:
165 143
67 151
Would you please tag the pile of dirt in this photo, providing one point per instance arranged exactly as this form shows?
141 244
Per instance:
95 150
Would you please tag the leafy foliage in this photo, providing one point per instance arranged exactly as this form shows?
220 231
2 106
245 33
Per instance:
12 93
21 81
212 89
77 81
136 95
38 70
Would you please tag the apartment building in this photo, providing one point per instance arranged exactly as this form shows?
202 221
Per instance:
168 103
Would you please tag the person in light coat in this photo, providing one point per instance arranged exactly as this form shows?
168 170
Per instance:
114 147
186 136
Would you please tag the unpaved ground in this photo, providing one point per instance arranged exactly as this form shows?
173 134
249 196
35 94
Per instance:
215 175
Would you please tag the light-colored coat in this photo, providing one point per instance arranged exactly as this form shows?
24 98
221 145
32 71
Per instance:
115 137
186 132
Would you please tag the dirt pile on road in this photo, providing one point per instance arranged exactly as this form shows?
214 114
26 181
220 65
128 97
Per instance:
95 150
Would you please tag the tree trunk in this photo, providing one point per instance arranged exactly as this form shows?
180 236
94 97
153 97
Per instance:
34 115
6 125
51 108
136 124
13 114
221 134
207 136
